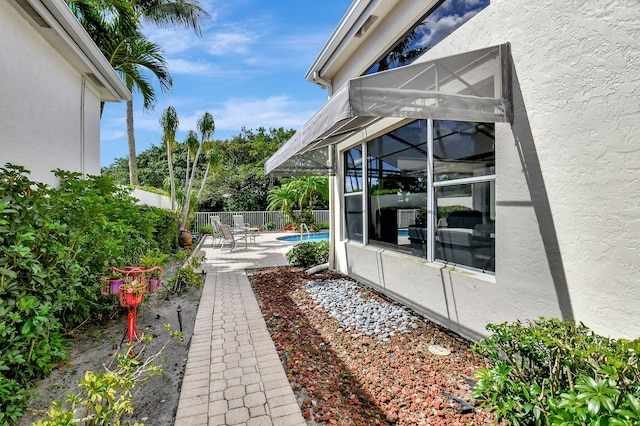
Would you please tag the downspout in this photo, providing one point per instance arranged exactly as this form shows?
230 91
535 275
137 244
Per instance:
327 84
332 222
83 88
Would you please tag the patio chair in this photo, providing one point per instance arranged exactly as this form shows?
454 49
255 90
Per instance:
215 229
239 223
230 237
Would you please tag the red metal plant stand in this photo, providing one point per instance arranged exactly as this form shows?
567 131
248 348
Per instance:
129 298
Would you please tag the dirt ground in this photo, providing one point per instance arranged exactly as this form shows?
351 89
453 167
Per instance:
94 345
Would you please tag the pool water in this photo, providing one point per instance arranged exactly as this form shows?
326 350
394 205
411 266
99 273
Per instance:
316 236
324 236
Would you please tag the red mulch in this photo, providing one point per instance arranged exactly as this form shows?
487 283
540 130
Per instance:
342 380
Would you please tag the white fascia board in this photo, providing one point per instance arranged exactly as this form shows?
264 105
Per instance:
70 39
394 18
349 24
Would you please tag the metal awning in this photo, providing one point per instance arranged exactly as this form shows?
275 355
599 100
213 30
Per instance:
472 86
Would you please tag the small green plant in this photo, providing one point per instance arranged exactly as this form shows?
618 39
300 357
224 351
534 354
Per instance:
134 286
107 398
309 254
270 226
557 372
422 218
154 257
206 229
188 276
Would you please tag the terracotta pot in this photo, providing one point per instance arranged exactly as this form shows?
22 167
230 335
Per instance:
184 239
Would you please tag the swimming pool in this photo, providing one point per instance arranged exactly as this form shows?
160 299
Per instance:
316 236
324 236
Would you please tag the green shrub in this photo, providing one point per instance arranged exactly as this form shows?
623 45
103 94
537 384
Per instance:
206 229
270 226
188 276
56 244
557 372
309 254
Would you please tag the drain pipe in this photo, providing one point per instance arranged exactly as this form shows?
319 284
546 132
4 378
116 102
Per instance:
332 222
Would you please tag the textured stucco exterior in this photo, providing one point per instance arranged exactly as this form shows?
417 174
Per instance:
49 109
567 174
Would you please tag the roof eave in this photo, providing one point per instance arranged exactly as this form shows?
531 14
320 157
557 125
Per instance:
58 25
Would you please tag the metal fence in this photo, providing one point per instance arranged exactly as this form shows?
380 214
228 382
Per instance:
259 219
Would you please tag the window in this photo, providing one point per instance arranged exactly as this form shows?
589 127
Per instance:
397 183
464 181
441 21
353 195
430 191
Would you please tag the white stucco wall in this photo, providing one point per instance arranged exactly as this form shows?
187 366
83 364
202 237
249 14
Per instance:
42 105
151 198
568 177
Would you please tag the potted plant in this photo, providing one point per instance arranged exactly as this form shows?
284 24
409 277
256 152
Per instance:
152 261
111 284
184 238
132 291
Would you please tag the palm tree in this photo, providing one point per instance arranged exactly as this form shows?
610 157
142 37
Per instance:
192 143
169 122
307 188
115 26
301 192
213 162
138 54
206 126
282 198
167 14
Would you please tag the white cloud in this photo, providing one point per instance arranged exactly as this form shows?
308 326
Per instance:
235 113
274 111
233 42
185 66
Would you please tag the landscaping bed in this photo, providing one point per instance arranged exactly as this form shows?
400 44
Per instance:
351 378
95 345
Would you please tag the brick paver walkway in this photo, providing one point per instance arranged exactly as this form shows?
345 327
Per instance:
233 374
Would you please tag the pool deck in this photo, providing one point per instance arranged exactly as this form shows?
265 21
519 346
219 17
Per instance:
233 374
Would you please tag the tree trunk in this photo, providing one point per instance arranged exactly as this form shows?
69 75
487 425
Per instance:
171 179
186 175
206 173
187 202
133 165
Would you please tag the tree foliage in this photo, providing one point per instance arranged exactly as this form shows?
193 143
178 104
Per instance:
238 182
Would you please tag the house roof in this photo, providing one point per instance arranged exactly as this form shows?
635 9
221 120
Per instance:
58 25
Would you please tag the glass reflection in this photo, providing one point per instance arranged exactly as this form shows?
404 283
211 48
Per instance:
397 183
448 16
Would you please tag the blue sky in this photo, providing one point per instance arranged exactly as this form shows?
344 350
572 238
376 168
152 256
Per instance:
247 70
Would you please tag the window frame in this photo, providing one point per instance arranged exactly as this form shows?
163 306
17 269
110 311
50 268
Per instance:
431 201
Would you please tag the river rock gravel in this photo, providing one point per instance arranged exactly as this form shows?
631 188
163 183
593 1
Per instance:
353 357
